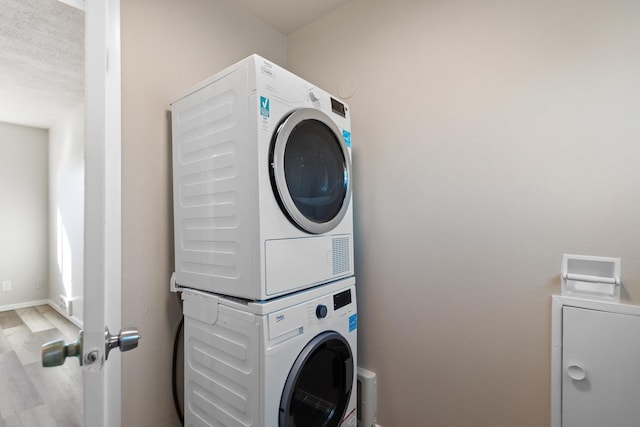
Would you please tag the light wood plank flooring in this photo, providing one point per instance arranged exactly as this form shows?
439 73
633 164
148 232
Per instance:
31 395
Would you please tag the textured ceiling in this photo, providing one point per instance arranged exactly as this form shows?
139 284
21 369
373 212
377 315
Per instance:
42 52
41 61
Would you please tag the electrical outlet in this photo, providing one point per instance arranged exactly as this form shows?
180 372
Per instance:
63 302
7 286
66 304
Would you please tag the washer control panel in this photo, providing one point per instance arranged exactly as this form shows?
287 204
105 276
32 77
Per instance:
341 299
321 311
292 320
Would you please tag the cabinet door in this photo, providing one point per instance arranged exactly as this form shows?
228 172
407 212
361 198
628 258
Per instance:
600 369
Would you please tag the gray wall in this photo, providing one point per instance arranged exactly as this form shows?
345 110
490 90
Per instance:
489 138
167 46
23 216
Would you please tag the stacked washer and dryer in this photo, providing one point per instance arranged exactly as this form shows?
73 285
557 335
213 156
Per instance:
264 250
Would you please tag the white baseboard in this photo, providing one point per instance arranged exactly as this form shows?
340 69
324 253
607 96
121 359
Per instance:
71 319
24 305
48 302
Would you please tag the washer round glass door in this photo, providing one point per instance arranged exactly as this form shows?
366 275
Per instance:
318 388
311 171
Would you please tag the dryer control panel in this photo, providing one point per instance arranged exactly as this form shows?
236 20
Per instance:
338 107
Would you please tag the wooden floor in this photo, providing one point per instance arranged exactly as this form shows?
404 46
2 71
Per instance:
31 395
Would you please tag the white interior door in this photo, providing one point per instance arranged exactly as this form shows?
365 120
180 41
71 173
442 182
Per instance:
102 382
600 368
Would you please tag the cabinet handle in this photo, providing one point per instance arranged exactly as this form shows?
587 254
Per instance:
576 373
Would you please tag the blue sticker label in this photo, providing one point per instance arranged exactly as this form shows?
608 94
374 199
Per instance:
264 106
346 135
353 322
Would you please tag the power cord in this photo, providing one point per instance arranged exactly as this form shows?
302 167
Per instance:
174 382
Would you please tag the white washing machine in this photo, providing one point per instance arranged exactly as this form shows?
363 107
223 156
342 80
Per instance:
262 183
286 362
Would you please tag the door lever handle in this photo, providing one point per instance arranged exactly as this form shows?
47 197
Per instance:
126 340
55 353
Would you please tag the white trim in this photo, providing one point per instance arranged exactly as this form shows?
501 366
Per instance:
556 361
71 319
102 381
609 307
113 212
20 305
557 303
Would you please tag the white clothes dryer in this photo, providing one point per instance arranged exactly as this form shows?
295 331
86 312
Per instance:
286 362
262 183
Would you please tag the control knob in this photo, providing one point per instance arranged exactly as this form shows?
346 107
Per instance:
321 311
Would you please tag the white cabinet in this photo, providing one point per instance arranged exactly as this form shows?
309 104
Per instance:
600 365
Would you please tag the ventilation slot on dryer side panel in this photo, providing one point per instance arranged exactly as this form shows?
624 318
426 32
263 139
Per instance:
341 261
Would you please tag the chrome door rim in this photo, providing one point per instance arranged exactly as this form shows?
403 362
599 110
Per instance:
279 146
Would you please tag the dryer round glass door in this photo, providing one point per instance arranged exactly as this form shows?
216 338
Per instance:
311 171
318 388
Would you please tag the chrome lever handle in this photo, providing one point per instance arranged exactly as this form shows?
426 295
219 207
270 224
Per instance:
126 340
55 353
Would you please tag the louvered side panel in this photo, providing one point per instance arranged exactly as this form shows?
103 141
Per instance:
221 371
210 179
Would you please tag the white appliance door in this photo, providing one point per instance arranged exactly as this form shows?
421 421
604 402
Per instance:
311 171
319 385
600 369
